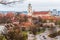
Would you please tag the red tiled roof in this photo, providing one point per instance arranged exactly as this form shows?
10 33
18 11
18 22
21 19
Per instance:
22 15
58 18
1 14
41 12
26 24
10 14
48 17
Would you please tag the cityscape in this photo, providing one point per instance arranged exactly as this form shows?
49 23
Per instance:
33 23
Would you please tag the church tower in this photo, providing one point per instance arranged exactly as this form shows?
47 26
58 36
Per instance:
29 10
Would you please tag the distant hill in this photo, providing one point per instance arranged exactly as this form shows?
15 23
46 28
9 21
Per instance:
25 12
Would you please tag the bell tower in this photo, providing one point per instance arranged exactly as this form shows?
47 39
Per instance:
29 10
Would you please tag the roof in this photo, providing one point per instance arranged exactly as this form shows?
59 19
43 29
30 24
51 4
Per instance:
10 14
48 17
1 14
57 18
26 24
40 13
22 15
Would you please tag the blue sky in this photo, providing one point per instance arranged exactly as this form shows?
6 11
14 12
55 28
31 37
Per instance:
37 5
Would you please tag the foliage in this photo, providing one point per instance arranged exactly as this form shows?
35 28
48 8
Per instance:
41 31
14 33
2 37
24 35
54 34
58 22
58 32
5 20
43 21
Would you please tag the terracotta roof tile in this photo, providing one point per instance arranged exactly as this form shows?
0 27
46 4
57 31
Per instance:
10 14
42 13
22 15
26 24
48 17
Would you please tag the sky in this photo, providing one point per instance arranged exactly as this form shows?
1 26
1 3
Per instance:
37 5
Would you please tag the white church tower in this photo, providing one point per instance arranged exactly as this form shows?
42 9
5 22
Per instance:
29 10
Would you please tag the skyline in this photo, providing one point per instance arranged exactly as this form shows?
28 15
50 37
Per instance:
37 5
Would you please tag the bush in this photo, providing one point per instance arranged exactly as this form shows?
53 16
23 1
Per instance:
58 32
58 22
2 37
24 35
41 31
54 34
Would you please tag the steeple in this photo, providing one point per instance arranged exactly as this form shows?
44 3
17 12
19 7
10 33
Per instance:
29 9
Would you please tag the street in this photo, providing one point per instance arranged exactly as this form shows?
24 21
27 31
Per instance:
43 36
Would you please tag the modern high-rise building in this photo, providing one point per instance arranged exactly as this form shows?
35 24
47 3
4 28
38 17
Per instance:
55 12
59 13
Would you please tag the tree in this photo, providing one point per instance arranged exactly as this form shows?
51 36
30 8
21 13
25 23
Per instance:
33 30
5 20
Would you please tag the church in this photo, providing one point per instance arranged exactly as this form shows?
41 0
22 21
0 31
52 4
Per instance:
43 14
